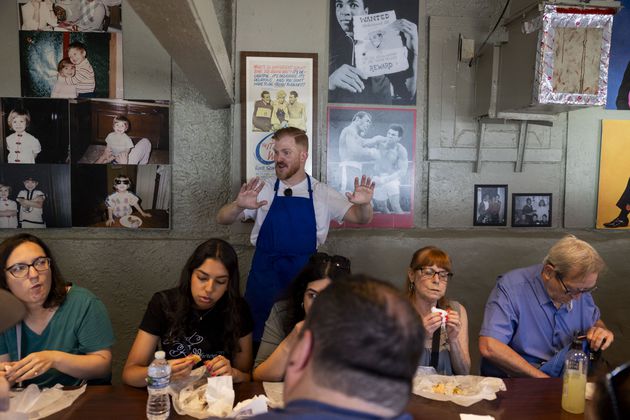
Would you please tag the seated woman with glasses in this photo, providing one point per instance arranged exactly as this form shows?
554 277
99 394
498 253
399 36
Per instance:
287 316
446 331
202 320
66 335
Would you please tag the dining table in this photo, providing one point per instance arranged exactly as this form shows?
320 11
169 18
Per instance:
525 398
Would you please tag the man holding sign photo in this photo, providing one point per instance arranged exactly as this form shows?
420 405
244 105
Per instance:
373 57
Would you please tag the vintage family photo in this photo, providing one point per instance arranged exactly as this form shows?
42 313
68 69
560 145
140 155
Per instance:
125 196
379 143
277 90
71 64
531 210
70 15
120 132
373 52
490 205
34 130
35 196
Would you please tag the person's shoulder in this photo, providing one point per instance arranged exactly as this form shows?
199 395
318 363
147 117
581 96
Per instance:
78 295
520 276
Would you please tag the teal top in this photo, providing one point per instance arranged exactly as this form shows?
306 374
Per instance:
79 326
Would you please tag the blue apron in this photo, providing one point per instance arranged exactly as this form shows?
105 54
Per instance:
287 238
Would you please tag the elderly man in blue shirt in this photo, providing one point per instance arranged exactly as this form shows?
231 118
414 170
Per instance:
534 313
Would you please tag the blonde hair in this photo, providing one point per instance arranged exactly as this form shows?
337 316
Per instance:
574 256
18 113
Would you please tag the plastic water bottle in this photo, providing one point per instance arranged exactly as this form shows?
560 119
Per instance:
158 404
574 382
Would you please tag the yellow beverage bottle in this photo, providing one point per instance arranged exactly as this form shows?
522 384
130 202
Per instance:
574 383
573 391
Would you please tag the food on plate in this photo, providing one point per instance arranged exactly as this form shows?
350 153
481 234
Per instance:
448 388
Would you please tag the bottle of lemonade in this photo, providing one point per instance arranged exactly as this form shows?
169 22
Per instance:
574 384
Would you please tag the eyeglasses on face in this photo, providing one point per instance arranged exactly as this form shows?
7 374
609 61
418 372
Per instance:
20 270
429 273
572 292
121 181
338 261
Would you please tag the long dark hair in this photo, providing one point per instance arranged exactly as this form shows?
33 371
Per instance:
183 314
319 266
57 293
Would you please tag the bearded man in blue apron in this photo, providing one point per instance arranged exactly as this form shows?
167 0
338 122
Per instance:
291 215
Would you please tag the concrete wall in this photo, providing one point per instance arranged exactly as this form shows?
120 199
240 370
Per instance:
125 268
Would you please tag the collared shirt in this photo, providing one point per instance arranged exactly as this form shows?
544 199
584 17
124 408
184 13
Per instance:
309 409
520 313
329 205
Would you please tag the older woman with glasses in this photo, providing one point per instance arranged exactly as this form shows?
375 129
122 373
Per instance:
445 321
66 334
287 316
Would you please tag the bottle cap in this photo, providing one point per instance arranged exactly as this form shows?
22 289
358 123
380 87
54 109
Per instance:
160 354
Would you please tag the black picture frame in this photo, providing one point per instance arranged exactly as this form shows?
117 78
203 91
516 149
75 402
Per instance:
539 213
490 210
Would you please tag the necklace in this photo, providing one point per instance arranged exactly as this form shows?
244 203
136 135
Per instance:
205 313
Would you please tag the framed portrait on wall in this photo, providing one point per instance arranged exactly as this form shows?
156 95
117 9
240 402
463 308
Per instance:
373 52
379 143
277 90
71 64
490 205
613 195
531 210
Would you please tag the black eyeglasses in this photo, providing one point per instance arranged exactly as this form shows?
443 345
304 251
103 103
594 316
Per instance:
429 273
121 181
336 260
20 270
288 192
572 292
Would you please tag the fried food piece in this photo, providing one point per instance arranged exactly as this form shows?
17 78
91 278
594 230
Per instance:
195 358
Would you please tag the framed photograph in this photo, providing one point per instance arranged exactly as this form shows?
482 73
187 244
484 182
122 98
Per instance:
613 195
116 131
490 208
69 16
277 90
373 52
35 196
121 196
379 143
34 130
71 64
531 210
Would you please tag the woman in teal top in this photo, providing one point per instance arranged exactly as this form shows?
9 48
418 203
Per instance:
66 335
